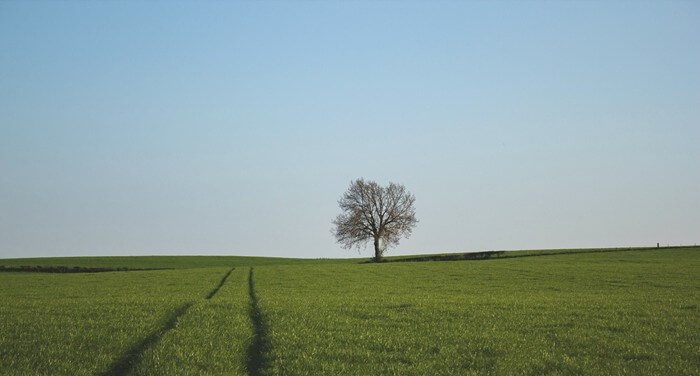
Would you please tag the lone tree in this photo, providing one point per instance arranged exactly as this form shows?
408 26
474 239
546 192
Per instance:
373 212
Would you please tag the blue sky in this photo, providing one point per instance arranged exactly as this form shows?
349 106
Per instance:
133 128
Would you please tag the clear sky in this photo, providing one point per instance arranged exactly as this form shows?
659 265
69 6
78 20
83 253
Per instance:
131 128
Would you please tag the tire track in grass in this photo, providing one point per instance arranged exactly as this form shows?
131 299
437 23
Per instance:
126 363
223 280
257 359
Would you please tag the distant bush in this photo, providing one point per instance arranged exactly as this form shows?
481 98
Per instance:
66 269
453 257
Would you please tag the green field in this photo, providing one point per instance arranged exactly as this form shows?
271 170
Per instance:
619 311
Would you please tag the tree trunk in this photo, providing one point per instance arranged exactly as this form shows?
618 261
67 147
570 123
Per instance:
377 252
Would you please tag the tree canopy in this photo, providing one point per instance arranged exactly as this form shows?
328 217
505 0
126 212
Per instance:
371 212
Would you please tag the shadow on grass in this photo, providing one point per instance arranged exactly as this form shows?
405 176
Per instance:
257 359
125 364
216 289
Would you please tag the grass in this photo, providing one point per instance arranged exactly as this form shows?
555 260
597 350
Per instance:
482 255
186 262
66 269
161 262
632 312
212 338
619 313
81 324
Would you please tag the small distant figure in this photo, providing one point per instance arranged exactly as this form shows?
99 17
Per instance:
657 245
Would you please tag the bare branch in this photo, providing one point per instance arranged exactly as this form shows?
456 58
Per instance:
374 213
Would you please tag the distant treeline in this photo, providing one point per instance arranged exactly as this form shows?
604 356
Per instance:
485 255
450 257
68 269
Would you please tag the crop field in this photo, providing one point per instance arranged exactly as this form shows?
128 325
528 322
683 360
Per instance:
83 323
614 312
